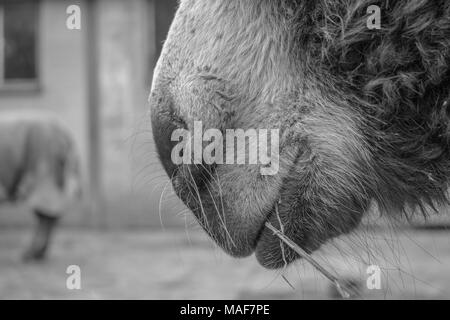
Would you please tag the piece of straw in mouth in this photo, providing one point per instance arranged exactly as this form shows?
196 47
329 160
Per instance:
302 253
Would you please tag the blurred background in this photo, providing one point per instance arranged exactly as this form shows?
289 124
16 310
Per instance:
129 234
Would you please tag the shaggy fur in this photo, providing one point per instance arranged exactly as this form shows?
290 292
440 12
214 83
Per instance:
399 77
363 113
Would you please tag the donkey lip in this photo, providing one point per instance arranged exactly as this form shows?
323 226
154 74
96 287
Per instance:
268 249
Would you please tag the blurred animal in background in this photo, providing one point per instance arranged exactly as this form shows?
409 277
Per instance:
363 114
39 166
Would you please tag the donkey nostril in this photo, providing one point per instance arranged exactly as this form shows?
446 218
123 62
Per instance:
163 125
199 176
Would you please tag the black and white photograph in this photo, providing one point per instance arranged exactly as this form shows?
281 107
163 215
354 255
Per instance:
224 150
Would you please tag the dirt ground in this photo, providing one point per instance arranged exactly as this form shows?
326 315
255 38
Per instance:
175 264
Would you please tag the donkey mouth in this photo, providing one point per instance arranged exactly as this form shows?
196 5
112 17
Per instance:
240 238
272 253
